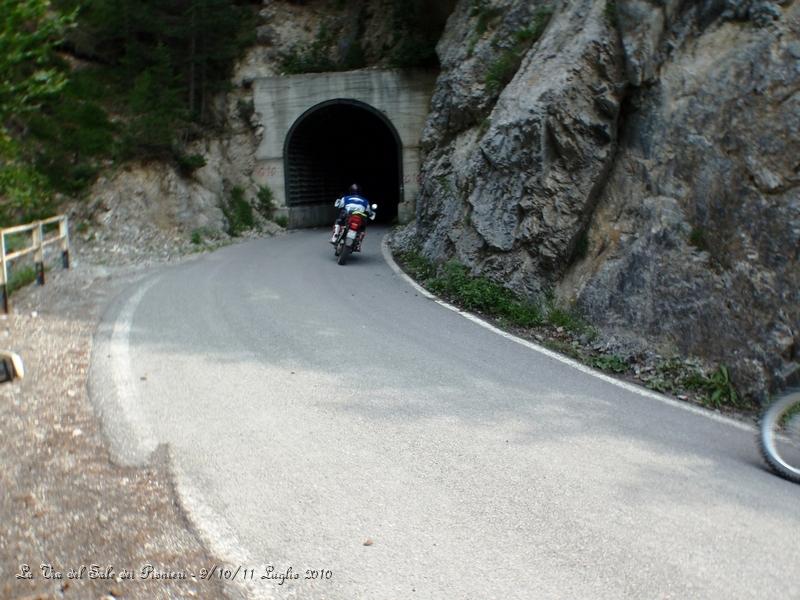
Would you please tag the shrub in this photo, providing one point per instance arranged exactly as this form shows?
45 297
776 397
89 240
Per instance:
416 34
189 163
246 109
612 363
265 202
486 15
697 238
718 387
558 316
502 70
417 265
282 220
311 58
505 66
238 212
581 246
610 11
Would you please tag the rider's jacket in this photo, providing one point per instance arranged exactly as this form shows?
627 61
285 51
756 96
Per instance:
354 204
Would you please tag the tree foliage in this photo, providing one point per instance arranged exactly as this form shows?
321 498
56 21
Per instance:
29 74
184 47
87 82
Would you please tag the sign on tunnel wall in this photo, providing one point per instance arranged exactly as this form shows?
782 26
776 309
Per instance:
323 131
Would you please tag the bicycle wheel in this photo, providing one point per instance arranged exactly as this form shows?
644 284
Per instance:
780 436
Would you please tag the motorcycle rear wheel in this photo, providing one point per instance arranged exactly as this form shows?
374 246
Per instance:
779 436
343 254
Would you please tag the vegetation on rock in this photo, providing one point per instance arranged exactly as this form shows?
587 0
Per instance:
238 212
505 66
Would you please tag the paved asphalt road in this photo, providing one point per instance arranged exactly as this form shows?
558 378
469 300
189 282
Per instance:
311 407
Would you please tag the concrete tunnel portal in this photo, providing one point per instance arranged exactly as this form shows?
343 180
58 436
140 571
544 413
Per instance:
321 132
337 143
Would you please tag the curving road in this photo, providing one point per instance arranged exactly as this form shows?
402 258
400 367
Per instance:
311 409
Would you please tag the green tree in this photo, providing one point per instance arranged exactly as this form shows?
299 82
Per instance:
156 111
29 74
29 32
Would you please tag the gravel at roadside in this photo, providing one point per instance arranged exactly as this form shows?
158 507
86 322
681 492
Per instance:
63 502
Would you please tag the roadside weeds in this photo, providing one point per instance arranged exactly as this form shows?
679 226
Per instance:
562 330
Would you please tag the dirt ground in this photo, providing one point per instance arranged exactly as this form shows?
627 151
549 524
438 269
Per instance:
64 505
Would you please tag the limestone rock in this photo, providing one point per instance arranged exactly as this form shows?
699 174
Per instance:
509 195
716 131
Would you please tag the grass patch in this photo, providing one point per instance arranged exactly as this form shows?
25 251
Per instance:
609 362
282 220
485 14
238 212
188 163
204 237
610 11
454 282
317 57
717 388
502 70
565 318
418 266
505 66
18 241
669 377
581 246
697 238
21 277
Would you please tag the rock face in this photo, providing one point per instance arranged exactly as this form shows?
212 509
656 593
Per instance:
644 163
510 182
710 266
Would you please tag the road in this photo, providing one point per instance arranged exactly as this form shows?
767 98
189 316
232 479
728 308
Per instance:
333 418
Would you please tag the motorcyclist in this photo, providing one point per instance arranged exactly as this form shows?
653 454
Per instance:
352 202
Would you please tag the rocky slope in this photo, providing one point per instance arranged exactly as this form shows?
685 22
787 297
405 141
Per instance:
642 163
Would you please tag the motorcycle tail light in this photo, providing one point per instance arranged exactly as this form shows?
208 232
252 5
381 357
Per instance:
355 222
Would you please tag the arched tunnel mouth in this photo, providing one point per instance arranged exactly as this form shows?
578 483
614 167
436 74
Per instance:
332 146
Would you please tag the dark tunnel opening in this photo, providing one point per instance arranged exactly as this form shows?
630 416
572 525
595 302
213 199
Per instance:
334 145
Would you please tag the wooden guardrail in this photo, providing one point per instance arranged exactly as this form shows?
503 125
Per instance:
38 243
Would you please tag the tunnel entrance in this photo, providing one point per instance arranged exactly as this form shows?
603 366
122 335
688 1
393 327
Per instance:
333 145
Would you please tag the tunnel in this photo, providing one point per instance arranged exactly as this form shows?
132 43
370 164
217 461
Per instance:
333 145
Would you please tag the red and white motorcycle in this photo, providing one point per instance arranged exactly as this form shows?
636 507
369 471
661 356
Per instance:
352 234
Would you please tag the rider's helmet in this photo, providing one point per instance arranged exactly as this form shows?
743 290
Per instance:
355 189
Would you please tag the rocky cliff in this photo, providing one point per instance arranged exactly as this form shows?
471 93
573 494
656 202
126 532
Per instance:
640 158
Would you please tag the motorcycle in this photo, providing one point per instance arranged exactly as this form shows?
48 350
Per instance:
779 436
351 235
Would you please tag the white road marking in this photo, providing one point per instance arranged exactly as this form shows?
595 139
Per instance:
212 528
635 389
122 375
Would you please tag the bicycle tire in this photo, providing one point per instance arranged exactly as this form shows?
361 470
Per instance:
768 434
